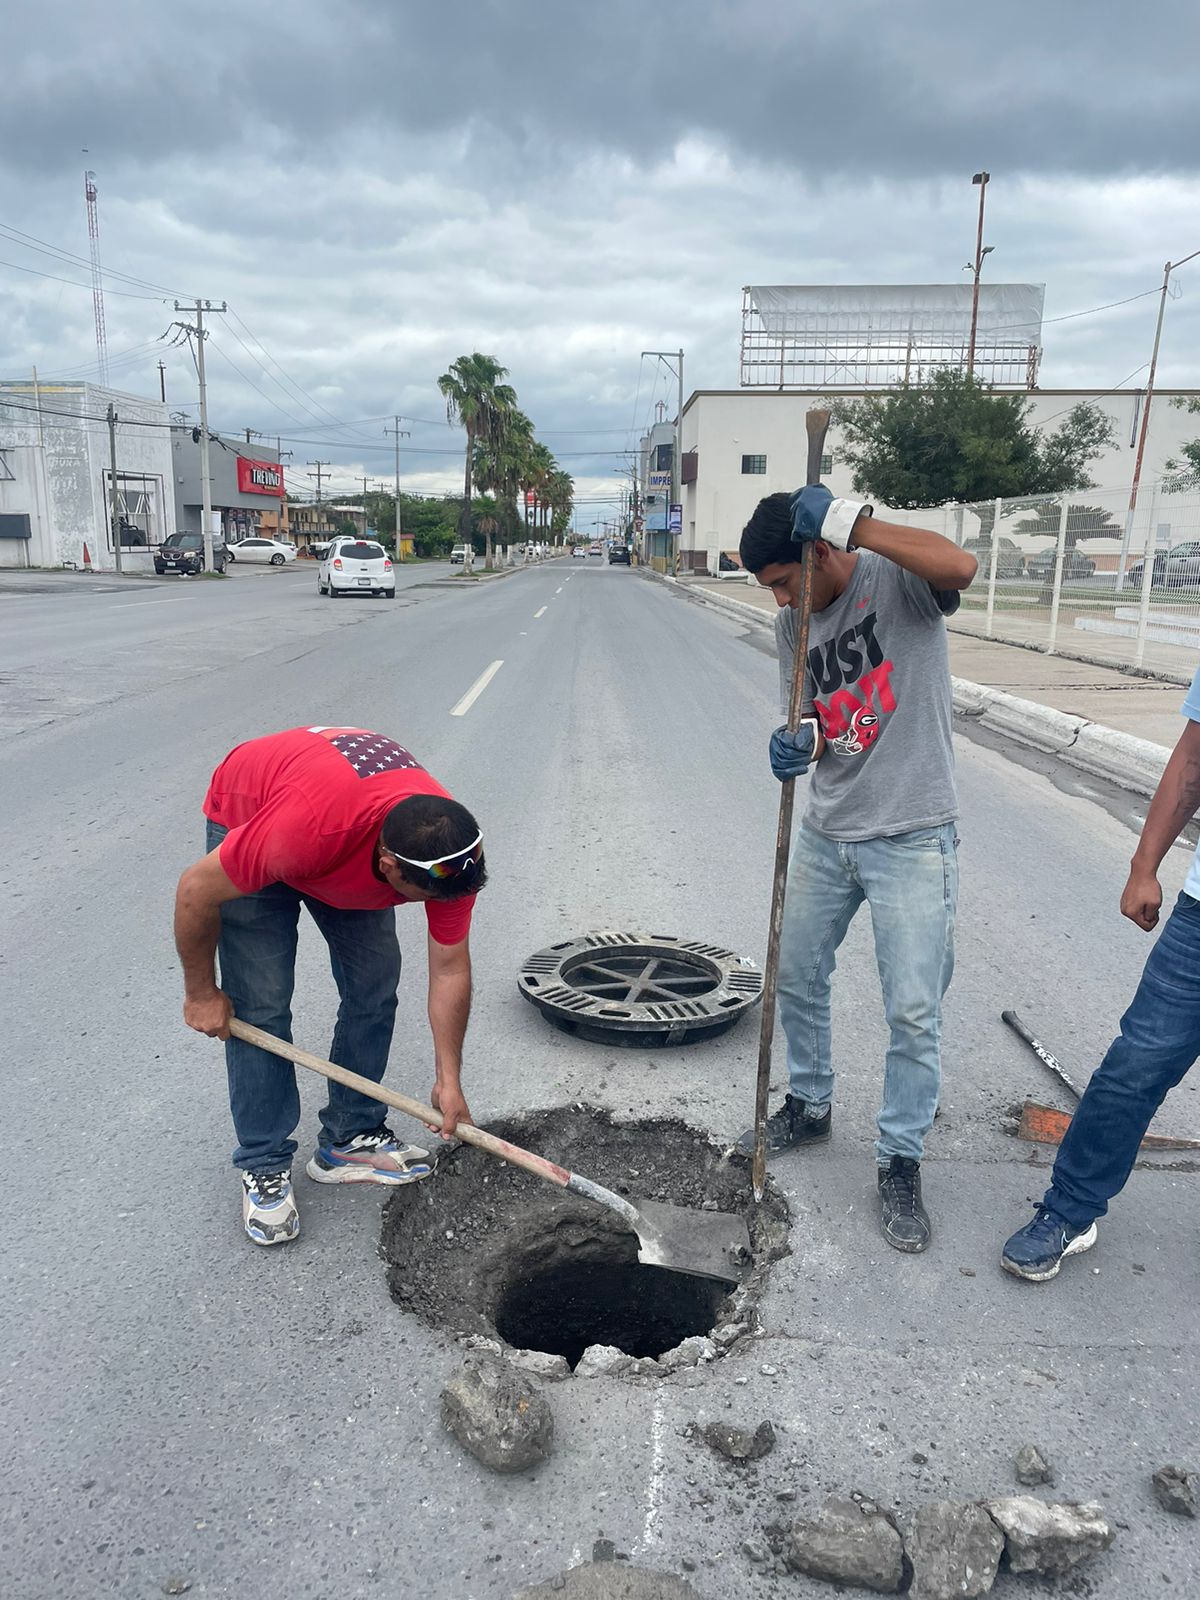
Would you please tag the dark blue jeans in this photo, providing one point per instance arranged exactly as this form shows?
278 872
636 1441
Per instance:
257 952
1158 1043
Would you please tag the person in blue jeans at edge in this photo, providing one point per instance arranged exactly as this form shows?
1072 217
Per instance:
879 826
1158 1043
346 824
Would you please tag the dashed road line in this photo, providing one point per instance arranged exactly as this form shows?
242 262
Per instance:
540 613
476 689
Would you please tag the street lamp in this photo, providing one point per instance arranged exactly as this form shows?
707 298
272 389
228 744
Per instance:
981 178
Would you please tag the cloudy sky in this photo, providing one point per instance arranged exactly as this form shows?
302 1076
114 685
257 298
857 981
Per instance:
377 186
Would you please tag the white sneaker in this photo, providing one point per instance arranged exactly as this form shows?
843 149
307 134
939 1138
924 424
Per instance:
268 1209
377 1157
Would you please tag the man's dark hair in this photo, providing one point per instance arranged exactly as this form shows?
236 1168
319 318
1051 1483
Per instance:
767 537
426 826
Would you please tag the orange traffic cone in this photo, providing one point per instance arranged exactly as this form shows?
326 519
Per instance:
87 560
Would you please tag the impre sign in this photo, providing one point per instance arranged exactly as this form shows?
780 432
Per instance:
259 477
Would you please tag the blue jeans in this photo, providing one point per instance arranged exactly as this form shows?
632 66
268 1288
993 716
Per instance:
1159 1041
910 883
257 952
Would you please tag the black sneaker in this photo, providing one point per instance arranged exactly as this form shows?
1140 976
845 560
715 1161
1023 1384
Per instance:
790 1126
1036 1251
904 1219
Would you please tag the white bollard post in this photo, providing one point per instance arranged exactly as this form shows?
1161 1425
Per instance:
1058 574
991 599
1147 578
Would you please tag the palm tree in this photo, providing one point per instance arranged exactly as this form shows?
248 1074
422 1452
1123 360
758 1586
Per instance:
476 399
560 496
499 462
541 465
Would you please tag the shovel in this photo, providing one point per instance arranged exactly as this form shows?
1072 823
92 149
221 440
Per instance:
705 1244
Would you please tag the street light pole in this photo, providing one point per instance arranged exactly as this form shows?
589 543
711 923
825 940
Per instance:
981 178
114 495
1145 427
401 433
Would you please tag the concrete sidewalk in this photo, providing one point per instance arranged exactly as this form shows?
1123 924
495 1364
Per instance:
1110 723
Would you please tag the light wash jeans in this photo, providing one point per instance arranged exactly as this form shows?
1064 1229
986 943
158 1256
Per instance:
910 882
257 953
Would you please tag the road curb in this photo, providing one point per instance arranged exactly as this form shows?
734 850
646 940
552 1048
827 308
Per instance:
1120 758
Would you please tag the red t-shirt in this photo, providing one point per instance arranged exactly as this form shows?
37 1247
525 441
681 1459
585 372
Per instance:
305 808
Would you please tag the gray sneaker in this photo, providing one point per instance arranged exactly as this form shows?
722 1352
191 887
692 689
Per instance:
268 1209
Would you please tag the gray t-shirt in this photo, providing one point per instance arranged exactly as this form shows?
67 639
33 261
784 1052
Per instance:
879 677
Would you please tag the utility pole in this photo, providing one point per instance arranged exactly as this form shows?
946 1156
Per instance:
162 383
114 496
676 495
1145 426
364 484
284 522
981 178
205 471
401 433
320 465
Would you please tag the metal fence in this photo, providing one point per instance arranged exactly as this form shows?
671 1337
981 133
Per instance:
1074 575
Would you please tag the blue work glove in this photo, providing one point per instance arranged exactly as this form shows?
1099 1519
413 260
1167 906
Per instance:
817 515
792 752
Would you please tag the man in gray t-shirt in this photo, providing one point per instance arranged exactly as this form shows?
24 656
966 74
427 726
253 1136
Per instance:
879 825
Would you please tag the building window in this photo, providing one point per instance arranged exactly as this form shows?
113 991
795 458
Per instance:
755 464
826 465
663 457
6 473
139 507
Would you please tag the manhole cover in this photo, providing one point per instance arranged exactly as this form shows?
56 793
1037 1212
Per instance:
484 1248
640 989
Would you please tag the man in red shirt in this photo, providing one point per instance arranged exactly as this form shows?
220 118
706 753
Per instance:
346 823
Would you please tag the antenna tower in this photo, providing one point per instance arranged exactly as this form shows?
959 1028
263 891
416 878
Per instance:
93 216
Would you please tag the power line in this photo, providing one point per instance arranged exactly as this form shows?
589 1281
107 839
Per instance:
128 294
30 241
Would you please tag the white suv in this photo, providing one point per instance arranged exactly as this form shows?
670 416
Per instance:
356 566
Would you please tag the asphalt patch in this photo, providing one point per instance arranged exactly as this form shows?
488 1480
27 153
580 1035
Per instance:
486 1249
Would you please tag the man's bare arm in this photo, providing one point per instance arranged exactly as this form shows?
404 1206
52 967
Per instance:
1175 803
449 1011
939 561
203 890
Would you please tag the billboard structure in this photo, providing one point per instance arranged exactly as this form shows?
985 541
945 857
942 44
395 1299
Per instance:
834 336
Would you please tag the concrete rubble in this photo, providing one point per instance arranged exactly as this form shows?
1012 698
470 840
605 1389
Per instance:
496 1414
690 1353
1050 1539
540 1364
602 1361
1031 1466
954 1550
1175 1490
848 1541
740 1444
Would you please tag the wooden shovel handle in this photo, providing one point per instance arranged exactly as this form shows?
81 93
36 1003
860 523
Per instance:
466 1131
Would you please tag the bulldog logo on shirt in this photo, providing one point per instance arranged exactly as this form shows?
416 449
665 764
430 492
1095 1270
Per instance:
851 687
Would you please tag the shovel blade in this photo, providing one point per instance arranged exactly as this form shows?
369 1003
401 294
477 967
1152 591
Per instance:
705 1244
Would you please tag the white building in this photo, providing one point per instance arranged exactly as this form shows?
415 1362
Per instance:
56 481
742 444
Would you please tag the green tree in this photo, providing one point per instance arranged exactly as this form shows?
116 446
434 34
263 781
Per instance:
500 463
952 439
1083 522
349 528
477 400
561 499
1184 474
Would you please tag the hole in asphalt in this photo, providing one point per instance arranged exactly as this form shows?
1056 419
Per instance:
485 1248
641 1310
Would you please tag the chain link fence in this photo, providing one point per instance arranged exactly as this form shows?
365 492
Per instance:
1075 575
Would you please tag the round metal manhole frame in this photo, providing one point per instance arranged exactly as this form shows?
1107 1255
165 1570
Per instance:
683 990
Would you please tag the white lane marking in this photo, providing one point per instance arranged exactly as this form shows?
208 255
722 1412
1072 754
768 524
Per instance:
476 689
524 635
654 1483
540 613
567 580
559 590
126 604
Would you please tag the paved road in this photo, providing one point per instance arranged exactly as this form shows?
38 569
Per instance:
177 1402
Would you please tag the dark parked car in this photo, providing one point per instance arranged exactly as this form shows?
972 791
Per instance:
184 552
619 552
1075 565
1176 568
1010 563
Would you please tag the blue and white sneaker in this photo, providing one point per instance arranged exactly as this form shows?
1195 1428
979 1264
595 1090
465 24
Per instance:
1036 1251
377 1157
268 1209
